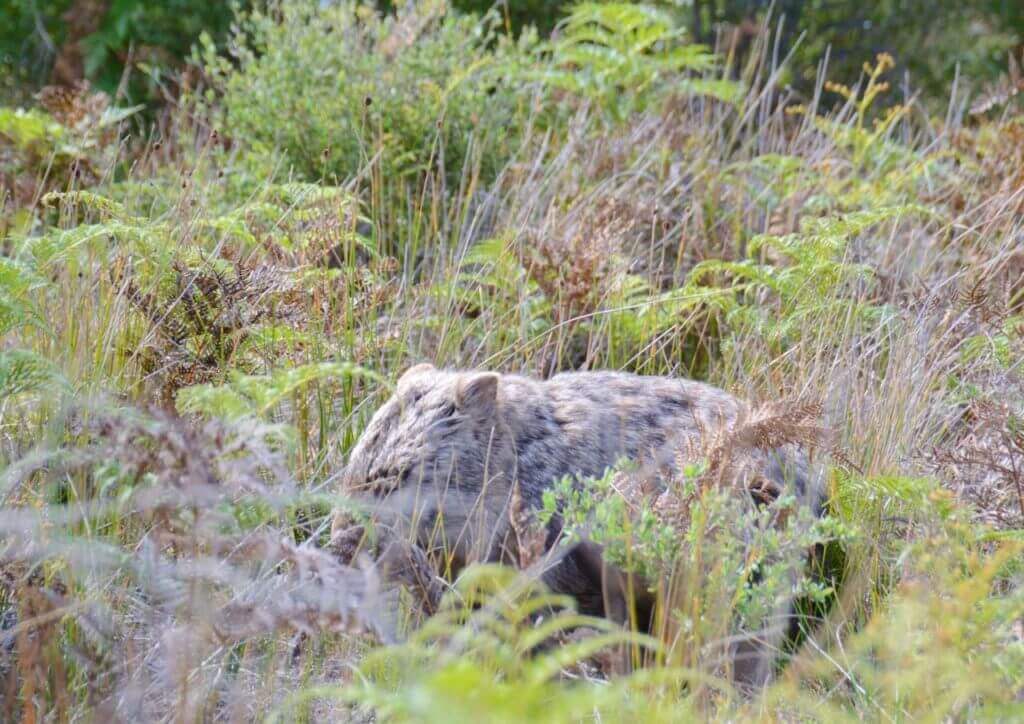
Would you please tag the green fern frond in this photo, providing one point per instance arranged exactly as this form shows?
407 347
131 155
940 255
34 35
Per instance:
22 371
18 278
84 200
18 281
257 395
625 56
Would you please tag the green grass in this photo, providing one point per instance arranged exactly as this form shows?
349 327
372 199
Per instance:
182 376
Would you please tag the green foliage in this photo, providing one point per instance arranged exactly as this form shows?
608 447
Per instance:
531 296
22 371
694 536
940 644
108 42
30 132
197 308
338 90
165 32
934 41
624 57
18 282
288 219
813 280
593 509
258 395
39 152
24 56
495 651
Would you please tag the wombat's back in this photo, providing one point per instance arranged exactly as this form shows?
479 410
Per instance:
582 423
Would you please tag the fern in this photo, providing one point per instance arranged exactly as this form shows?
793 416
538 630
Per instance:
23 372
258 395
478 660
18 282
813 280
623 56
103 207
204 296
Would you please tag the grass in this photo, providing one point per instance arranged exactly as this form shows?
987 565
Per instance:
182 375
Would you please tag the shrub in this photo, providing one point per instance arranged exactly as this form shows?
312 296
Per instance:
338 89
723 549
219 300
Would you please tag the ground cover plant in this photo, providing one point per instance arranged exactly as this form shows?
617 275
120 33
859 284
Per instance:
199 321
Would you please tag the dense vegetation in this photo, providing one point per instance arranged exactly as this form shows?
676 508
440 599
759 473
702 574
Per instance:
198 321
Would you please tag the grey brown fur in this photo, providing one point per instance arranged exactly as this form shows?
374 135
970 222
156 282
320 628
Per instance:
444 453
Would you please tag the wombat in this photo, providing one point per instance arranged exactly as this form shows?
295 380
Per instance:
443 455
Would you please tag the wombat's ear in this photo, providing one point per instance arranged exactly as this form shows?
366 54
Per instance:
477 394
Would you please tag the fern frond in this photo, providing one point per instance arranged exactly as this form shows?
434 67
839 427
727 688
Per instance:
84 200
23 371
257 395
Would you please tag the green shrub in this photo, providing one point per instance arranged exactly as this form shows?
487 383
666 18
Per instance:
194 309
698 532
339 89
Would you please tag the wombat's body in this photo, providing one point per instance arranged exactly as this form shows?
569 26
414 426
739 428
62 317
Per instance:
444 453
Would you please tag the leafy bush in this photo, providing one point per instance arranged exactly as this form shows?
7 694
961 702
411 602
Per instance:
723 552
339 91
206 306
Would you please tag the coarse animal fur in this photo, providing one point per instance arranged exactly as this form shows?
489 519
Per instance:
442 456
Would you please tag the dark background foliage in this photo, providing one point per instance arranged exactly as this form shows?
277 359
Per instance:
63 41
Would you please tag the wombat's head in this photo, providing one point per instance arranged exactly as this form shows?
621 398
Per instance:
437 457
